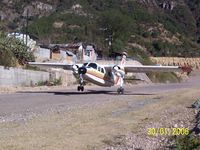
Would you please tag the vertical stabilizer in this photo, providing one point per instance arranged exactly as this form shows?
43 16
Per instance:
123 61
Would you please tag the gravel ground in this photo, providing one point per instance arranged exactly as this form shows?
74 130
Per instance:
42 115
172 118
25 103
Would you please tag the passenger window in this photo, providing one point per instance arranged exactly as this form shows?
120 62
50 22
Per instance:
102 70
99 69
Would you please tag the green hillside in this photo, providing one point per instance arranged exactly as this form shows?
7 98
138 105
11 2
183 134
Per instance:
143 28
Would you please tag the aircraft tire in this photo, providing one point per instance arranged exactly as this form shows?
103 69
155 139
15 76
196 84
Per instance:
82 88
78 88
120 90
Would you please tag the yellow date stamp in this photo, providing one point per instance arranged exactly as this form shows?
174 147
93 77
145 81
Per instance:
167 131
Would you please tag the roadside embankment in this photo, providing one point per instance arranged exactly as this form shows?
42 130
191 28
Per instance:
193 62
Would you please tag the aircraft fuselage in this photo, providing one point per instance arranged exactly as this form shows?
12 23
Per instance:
98 78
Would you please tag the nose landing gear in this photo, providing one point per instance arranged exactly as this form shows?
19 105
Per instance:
81 82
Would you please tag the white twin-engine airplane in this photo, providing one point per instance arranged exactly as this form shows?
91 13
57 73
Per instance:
108 75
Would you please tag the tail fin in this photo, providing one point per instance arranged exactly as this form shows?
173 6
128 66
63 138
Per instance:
123 61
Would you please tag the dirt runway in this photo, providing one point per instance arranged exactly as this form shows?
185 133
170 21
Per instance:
25 102
60 118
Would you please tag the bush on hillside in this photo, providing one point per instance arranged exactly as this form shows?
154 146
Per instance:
12 51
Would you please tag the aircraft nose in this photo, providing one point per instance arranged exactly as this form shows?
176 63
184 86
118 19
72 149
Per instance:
82 70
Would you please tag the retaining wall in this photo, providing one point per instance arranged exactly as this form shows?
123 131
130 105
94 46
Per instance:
20 77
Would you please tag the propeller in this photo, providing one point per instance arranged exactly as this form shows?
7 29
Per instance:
82 70
75 69
78 71
118 71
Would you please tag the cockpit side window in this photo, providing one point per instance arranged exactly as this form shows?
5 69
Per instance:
93 65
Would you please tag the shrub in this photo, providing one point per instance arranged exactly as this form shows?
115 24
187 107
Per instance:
188 142
155 34
13 51
163 77
146 34
20 51
55 82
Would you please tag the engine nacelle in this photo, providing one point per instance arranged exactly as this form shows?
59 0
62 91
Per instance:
118 71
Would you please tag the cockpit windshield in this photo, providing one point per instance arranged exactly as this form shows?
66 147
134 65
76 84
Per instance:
93 65
85 64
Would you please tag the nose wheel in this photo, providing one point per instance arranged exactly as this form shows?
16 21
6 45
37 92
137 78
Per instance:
80 88
120 90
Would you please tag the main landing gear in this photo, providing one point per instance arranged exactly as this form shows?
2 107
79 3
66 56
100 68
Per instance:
81 82
120 90
80 88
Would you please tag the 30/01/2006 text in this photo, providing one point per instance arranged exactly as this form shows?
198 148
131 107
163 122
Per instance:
167 131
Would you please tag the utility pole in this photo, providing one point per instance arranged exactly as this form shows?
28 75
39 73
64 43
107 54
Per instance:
27 15
110 40
104 35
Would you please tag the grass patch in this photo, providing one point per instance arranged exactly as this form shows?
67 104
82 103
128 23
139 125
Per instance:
34 68
165 77
55 82
189 142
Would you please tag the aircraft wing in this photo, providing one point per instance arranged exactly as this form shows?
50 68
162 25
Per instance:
145 69
52 65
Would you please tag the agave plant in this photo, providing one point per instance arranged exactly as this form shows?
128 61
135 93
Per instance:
13 51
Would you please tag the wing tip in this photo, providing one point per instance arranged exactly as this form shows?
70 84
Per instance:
187 69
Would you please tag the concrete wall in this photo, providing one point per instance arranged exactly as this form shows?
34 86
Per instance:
66 76
21 77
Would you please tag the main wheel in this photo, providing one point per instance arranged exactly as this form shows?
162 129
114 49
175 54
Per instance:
82 88
78 88
120 90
